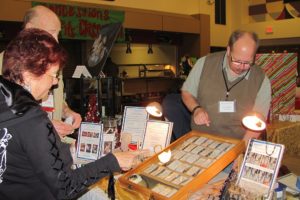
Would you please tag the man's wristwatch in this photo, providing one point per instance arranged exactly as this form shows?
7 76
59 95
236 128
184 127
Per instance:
194 109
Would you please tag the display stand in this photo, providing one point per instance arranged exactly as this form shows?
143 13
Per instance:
260 167
196 158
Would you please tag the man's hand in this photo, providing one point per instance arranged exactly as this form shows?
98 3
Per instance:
73 121
63 129
201 117
76 118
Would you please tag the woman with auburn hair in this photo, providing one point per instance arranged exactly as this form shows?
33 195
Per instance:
34 163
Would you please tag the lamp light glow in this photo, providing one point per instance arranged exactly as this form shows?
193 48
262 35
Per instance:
165 156
154 109
254 123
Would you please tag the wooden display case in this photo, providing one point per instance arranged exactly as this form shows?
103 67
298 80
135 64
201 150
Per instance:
196 158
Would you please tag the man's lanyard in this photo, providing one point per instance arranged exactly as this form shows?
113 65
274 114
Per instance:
225 81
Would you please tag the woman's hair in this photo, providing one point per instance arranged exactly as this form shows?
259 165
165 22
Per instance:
33 50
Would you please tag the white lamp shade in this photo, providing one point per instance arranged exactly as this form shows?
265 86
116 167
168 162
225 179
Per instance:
165 156
254 123
154 109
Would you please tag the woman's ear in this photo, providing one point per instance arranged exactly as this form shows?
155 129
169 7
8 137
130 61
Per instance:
26 81
228 50
27 76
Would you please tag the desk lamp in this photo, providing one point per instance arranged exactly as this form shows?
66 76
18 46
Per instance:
254 123
154 109
165 156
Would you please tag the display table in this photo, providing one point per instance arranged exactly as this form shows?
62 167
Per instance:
286 133
98 192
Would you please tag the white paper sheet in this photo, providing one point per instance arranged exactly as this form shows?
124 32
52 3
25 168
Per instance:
157 133
134 122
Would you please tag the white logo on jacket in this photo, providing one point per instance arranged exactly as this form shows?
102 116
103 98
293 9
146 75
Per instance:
4 137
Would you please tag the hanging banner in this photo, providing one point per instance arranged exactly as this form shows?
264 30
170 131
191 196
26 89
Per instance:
82 22
281 68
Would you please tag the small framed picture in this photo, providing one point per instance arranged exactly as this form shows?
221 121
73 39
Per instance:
190 147
157 133
134 122
165 173
192 158
180 179
89 141
194 171
178 154
260 167
157 171
172 176
151 168
200 140
108 143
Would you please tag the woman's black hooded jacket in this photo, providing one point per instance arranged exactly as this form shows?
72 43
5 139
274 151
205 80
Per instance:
34 163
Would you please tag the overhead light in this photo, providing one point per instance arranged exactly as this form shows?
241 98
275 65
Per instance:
128 49
150 50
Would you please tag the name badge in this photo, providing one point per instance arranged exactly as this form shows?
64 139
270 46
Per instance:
48 105
226 106
49 102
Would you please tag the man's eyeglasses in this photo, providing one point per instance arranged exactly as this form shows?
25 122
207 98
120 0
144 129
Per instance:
237 62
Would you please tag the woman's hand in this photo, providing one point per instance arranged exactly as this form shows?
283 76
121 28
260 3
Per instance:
130 159
126 159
